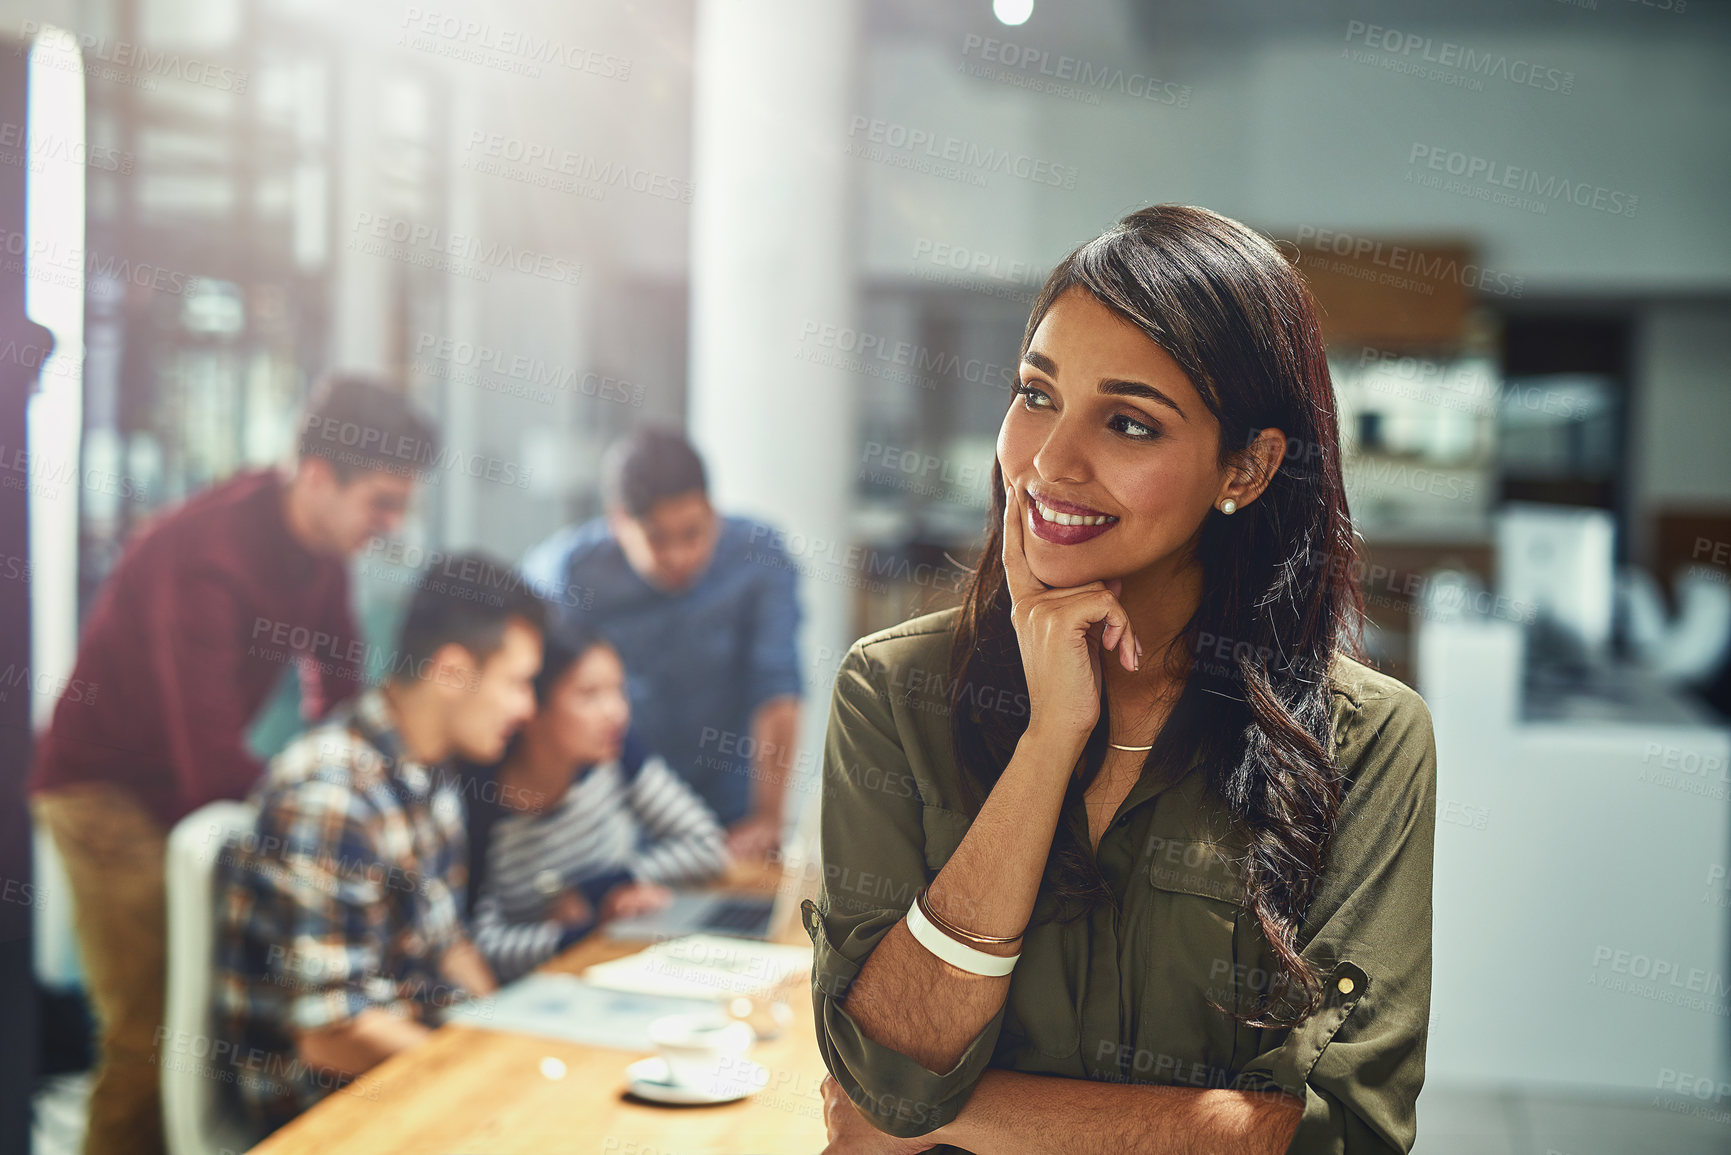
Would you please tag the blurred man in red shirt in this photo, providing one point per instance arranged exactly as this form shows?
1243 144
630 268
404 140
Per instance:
186 640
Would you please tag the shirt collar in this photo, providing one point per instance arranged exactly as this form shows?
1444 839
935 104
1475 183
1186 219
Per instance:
376 723
1160 777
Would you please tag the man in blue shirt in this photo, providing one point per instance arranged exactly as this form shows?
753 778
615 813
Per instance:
703 609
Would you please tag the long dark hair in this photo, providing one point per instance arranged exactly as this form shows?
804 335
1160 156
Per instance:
479 782
1229 308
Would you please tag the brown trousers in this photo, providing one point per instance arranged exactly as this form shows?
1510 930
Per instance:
113 850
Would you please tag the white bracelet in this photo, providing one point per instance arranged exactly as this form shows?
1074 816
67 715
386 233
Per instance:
957 954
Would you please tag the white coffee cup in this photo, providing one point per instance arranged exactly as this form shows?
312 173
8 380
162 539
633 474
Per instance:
699 1049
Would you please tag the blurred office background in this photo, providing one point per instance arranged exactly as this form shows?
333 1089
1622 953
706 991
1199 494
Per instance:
810 234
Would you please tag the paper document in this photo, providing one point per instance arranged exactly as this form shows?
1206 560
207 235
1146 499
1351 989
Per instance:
708 966
562 1006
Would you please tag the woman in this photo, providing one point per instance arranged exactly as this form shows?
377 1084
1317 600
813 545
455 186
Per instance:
1178 839
581 824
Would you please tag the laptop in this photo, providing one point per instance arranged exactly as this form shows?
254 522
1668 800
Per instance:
741 914
737 913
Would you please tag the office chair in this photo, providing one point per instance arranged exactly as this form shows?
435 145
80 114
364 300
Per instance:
197 1119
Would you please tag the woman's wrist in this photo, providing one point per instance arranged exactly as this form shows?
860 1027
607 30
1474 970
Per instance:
1050 741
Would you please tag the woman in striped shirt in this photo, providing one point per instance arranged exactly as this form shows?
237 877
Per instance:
582 822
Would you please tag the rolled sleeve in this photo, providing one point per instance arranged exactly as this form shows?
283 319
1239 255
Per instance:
774 658
873 851
896 1093
1357 1060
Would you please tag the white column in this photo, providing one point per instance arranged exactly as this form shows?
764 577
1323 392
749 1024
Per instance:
460 425
770 255
54 299
360 284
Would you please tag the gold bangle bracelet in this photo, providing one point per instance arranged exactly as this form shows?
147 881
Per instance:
957 932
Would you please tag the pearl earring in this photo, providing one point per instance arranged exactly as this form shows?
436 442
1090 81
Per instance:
1229 506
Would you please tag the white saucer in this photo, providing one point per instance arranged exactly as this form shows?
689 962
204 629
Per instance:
648 1079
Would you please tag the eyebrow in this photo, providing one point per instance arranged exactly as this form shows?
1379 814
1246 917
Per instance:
1111 386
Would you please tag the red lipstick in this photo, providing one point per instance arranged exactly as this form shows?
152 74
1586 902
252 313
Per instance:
1064 534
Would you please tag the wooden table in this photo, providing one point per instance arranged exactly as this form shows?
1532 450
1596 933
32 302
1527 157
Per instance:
482 1092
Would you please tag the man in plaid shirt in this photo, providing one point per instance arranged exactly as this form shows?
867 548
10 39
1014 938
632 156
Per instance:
340 935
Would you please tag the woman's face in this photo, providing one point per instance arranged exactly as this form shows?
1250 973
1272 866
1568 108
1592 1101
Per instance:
1108 422
586 714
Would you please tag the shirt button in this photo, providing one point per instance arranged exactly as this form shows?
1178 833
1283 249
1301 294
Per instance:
1345 985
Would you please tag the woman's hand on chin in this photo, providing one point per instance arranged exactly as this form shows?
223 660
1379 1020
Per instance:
1062 632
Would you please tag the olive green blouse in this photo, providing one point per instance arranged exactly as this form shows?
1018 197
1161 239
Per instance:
1123 995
